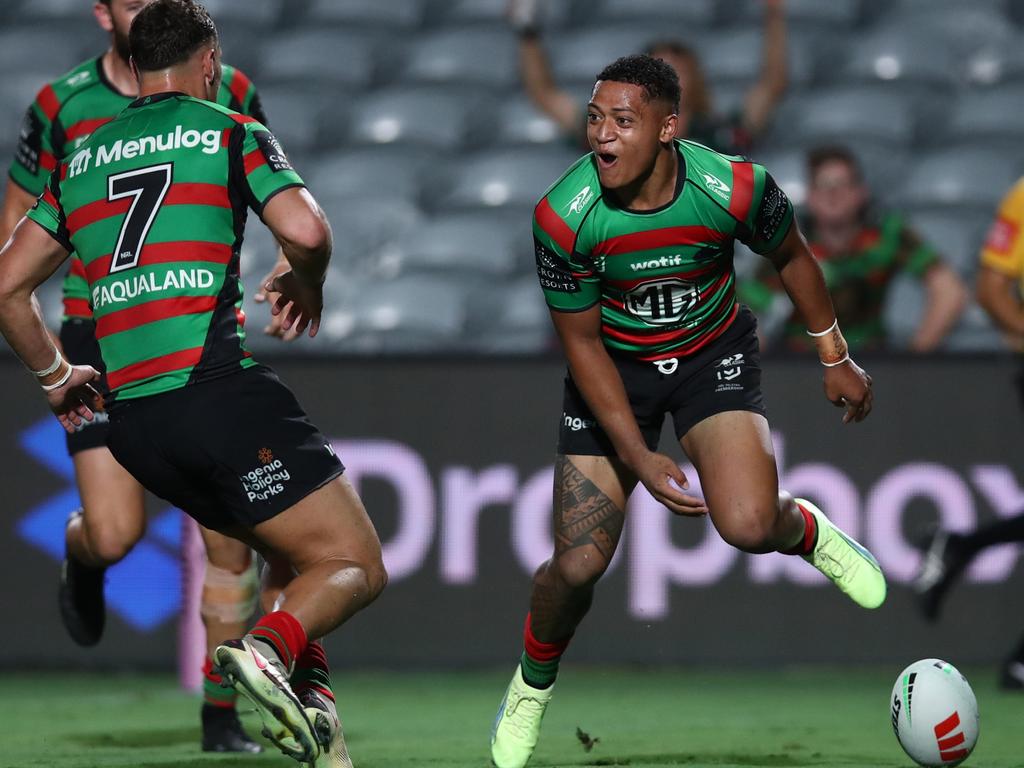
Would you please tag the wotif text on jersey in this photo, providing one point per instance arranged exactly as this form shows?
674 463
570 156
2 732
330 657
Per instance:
210 140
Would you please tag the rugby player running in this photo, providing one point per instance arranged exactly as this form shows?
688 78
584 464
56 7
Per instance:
154 203
112 518
634 247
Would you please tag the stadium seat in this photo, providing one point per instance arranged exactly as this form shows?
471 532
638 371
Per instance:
965 27
904 54
997 63
367 229
494 179
553 13
463 56
511 318
974 333
993 118
327 58
20 49
429 117
700 13
388 171
841 114
418 314
957 238
519 122
295 113
398 15
831 16
736 57
578 57
961 180
468 244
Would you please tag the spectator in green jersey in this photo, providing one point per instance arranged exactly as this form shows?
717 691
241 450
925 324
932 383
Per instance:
731 133
861 252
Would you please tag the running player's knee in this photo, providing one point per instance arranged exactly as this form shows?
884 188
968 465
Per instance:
580 570
376 577
229 597
753 531
111 545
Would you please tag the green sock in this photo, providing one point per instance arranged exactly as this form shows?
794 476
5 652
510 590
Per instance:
539 674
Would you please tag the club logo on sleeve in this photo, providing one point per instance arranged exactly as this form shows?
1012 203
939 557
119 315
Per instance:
272 151
30 142
584 196
717 186
774 207
266 480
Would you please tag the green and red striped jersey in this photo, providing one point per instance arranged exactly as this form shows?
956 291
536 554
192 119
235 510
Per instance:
664 278
65 113
155 204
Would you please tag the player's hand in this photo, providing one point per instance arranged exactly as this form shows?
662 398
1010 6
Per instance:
299 303
77 399
665 481
522 14
849 387
273 326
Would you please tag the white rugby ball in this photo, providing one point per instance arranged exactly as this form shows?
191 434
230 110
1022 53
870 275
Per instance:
934 713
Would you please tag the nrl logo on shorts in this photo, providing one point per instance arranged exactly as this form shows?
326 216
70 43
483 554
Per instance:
582 198
717 186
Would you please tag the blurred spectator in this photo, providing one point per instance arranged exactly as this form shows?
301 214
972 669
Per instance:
861 252
731 133
1001 274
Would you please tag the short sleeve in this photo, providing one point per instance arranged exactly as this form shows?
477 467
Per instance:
769 216
568 279
1003 250
34 156
49 214
264 167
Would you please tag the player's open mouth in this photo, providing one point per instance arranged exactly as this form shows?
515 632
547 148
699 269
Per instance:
606 159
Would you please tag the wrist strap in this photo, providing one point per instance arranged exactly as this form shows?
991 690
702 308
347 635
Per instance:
827 331
57 360
60 382
837 362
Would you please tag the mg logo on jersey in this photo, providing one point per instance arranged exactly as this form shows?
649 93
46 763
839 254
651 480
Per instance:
717 186
661 302
582 198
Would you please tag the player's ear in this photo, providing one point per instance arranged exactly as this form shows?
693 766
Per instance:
102 13
668 127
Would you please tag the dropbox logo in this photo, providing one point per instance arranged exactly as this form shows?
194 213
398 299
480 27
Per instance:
144 589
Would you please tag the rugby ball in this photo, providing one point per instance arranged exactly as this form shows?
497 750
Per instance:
934 713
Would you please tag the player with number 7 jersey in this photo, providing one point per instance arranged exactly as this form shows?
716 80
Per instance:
155 204
167 185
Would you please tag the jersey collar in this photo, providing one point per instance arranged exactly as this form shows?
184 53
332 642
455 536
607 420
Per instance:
153 98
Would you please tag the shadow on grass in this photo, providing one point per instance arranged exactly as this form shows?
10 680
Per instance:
711 759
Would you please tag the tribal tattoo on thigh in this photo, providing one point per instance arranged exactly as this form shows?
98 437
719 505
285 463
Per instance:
583 514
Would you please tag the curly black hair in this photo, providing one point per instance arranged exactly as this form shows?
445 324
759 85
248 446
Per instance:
658 79
167 32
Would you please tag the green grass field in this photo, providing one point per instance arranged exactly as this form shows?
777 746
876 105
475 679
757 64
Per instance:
643 719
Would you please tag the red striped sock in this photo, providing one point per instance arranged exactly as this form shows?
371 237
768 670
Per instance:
806 545
283 633
213 693
312 672
540 660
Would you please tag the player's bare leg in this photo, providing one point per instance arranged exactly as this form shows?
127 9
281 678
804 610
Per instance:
332 550
733 454
110 523
230 595
589 512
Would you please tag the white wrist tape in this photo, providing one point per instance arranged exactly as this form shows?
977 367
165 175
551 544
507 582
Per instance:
57 360
827 331
60 382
